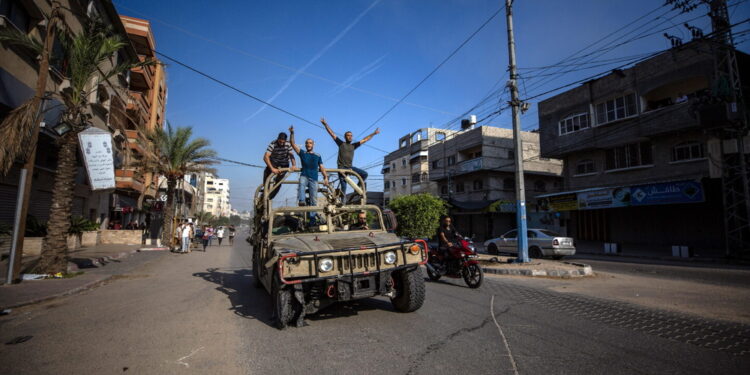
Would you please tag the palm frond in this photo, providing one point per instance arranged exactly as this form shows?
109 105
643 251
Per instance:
14 37
16 131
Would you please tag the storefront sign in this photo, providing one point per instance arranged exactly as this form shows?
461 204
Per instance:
96 146
604 198
667 193
503 206
558 203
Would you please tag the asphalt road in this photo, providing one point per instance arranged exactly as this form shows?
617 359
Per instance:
199 313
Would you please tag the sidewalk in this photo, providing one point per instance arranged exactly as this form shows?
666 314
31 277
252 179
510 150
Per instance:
502 265
98 264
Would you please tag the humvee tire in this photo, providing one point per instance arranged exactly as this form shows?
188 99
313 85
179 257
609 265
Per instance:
282 299
256 272
409 290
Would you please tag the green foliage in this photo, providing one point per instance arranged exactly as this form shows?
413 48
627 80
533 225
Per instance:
78 225
34 228
221 221
418 215
235 220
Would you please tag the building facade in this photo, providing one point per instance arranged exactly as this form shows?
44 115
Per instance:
406 170
643 166
474 170
18 76
216 195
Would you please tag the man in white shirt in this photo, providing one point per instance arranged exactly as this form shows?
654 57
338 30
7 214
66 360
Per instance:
220 234
187 234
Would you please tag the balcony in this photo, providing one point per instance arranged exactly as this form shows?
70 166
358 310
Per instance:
136 141
470 165
129 179
142 78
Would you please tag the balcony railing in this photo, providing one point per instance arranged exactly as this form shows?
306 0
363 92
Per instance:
470 165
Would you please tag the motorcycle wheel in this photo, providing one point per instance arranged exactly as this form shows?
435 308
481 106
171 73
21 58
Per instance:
473 275
434 276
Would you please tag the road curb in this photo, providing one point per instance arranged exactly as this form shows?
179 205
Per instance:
82 288
581 271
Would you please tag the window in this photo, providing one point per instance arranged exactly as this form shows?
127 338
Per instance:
435 164
511 154
439 136
452 160
424 177
415 178
540 186
459 187
403 182
585 167
478 185
511 234
403 162
474 155
387 185
403 142
616 109
628 156
509 184
444 189
688 151
394 166
15 13
574 123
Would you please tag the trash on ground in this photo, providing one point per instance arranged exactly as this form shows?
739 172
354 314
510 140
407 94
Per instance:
33 276
6 312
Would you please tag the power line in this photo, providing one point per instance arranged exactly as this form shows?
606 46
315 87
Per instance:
433 71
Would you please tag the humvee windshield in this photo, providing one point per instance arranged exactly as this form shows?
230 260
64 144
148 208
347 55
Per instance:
298 222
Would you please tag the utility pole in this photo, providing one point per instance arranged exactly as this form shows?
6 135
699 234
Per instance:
523 241
24 182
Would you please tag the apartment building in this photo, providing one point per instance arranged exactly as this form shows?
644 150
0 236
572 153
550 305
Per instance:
406 170
18 76
474 171
643 162
216 195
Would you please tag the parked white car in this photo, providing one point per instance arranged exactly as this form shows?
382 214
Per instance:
542 243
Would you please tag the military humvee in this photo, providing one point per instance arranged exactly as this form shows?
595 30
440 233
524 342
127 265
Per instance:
308 257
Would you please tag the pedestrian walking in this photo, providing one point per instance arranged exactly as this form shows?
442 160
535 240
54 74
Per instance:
210 233
232 233
206 237
187 234
278 155
346 152
220 234
310 163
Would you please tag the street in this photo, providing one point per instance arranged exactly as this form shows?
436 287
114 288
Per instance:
199 313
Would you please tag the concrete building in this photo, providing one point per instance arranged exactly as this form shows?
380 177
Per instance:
18 76
474 171
642 164
406 170
216 195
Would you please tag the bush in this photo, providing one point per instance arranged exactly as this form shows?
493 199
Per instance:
34 228
78 225
418 215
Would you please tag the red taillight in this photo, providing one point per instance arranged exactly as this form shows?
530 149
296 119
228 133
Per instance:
555 242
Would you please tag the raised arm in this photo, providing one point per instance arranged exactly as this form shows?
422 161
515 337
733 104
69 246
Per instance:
365 139
328 128
291 139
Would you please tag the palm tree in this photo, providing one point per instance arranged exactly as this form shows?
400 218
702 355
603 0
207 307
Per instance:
85 55
203 217
174 156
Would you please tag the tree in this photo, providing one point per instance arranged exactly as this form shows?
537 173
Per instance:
175 154
84 56
235 220
418 215
203 217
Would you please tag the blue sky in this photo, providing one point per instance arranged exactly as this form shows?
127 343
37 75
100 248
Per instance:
348 60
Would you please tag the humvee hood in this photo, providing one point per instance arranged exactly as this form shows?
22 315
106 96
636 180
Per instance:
324 241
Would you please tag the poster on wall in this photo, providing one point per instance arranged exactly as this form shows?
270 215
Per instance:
604 198
667 193
96 147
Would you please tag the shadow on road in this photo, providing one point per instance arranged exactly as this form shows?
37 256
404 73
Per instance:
247 301
254 303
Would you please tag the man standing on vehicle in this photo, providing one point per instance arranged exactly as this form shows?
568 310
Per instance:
310 162
346 152
278 154
447 234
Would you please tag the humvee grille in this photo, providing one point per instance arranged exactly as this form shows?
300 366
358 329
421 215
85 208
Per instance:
345 243
357 261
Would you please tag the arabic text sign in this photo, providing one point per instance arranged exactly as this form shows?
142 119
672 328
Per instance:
563 202
96 146
604 198
667 192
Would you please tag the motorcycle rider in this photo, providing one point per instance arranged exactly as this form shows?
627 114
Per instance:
447 235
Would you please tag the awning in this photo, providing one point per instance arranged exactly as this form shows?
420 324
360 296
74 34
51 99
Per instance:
470 205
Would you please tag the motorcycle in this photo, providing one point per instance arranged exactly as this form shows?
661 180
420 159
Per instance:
460 261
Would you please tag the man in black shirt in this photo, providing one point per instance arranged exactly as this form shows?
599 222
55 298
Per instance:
278 154
346 152
447 234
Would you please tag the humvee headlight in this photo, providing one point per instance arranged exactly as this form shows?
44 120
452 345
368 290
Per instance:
325 265
390 257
